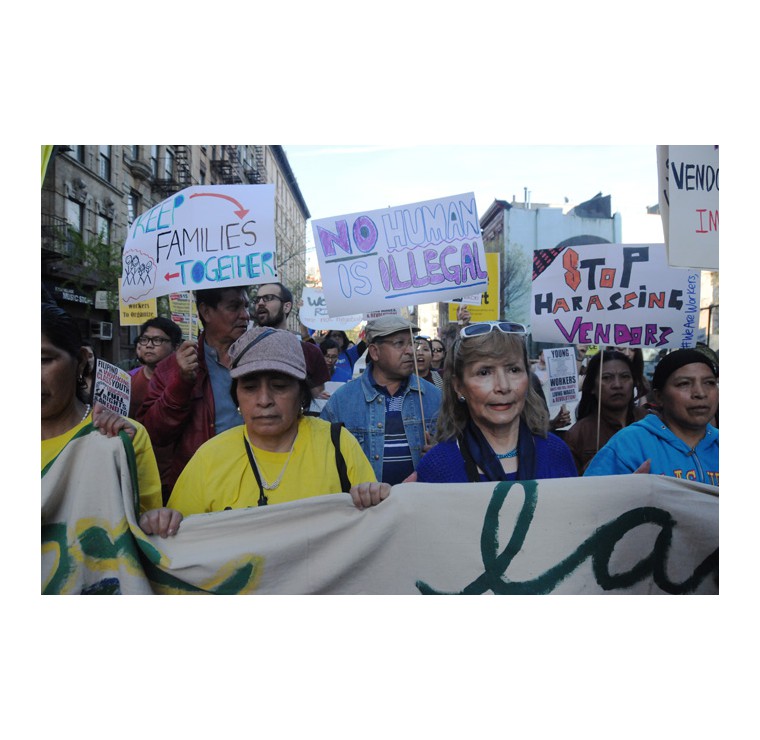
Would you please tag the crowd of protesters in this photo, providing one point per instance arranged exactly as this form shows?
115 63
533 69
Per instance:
228 420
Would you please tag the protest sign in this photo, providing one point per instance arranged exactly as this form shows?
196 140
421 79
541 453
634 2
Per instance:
112 387
205 236
688 179
135 314
627 534
563 375
314 315
184 313
487 305
419 253
613 294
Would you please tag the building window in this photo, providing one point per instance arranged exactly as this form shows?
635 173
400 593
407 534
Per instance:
134 152
77 152
169 165
203 176
133 205
105 163
154 160
104 229
75 215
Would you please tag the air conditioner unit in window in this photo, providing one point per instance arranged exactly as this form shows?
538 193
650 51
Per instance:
101 329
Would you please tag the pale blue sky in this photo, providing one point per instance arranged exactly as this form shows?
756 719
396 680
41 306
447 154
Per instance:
337 179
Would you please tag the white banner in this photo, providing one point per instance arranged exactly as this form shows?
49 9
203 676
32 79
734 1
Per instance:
613 295
205 236
631 534
419 253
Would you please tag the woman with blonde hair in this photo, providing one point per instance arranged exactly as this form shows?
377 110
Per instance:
493 425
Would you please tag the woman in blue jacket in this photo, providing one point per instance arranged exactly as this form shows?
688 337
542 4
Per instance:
679 440
493 426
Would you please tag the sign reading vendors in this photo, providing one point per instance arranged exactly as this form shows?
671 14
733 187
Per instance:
688 184
613 294
419 253
205 236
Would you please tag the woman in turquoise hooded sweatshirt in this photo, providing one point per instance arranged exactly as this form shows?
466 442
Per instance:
678 440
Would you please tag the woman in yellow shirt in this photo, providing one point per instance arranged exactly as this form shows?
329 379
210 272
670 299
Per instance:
277 454
65 414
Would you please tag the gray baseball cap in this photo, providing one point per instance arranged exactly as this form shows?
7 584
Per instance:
263 349
385 326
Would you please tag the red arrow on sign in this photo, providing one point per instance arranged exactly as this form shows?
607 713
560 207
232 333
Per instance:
239 213
169 277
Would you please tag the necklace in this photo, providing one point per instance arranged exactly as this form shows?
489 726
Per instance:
507 455
86 411
257 466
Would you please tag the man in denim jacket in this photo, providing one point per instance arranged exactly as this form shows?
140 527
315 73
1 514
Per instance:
381 408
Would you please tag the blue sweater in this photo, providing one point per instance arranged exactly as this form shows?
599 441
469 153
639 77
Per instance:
650 439
445 464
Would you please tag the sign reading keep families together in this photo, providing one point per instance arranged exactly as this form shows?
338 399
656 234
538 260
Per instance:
614 294
424 252
205 236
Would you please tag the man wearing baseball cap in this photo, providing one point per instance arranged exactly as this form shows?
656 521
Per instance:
678 441
385 406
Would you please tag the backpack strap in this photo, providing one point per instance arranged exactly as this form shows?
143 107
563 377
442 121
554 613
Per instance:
339 460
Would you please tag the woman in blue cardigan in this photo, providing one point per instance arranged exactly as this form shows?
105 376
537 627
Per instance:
493 425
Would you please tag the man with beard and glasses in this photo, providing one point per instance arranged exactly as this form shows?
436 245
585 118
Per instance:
271 307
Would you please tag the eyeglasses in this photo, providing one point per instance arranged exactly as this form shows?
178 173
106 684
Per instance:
486 327
399 345
155 341
438 350
266 298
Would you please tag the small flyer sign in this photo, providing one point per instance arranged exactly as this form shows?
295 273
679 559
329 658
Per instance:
112 387
563 374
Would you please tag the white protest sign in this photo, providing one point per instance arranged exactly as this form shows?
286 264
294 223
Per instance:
563 375
613 294
688 180
313 313
419 253
112 387
205 236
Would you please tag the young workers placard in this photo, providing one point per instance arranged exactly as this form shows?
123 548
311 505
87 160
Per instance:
419 253
205 236
613 294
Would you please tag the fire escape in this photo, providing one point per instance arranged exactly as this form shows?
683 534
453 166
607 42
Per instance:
229 170
181 175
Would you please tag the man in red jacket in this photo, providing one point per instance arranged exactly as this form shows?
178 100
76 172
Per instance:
188 400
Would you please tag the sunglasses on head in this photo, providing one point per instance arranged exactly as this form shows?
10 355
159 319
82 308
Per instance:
486 327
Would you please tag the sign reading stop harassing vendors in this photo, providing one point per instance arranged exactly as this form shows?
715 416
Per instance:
419 253
613 294
205 236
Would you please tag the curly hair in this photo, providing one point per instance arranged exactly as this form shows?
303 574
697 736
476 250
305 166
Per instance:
454 415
